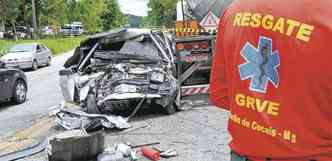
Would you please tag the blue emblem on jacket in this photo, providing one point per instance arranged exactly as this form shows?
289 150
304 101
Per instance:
261 65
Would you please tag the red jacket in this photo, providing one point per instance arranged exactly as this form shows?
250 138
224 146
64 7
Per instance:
272 71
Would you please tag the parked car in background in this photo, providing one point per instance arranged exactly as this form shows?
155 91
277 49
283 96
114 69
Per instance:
77 28
13 84
27 56
73 29
23 32
48 30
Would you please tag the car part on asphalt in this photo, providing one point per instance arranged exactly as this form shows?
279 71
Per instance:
75 145
116 70
26 152
139 105
75 119
122 152
119 152
169 153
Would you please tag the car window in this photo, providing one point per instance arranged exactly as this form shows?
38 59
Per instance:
146 48
38 48
22 48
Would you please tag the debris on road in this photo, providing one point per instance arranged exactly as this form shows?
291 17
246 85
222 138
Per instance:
75 145
122 152
76 119
169 153
28 151
118 152
154 155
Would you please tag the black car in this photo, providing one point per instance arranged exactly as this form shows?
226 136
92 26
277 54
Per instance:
13 84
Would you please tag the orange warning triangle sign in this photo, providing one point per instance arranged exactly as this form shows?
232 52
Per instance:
210 20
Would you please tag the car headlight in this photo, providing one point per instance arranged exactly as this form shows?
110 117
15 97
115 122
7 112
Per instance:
125 88
157 76
3 60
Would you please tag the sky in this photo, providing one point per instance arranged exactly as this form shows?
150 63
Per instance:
134 7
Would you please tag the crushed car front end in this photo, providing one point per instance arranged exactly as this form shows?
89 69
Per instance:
121 69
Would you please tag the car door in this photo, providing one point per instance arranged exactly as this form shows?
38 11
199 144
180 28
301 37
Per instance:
5 88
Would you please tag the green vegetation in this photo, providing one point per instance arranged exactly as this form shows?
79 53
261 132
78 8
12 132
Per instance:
134 21
161 13
96 15
58 45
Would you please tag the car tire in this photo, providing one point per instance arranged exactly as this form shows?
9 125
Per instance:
34 65
171 109
91 104
19 92
49 62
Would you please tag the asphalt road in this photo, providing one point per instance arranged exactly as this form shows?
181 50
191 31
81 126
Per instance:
198 134
43 93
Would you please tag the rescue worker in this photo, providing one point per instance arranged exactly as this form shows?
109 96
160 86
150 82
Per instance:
272 71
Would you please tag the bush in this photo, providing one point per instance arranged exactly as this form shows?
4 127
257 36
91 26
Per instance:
57 45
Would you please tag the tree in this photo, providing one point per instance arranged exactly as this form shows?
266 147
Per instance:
90 14
161 13
73 10
96 15
53 12
112 16
9 12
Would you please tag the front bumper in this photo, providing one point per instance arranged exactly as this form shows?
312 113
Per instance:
130 96
21 65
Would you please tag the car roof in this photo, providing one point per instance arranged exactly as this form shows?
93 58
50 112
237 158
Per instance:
32 43
120 33
133 31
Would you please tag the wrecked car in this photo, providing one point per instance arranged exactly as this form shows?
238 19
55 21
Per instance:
119 69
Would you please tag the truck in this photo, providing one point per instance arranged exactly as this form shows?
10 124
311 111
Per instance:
196 29
73 29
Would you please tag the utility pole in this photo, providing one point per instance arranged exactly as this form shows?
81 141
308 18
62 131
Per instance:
183 16
34 20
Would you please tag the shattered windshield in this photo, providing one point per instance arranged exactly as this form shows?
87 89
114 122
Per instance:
145 48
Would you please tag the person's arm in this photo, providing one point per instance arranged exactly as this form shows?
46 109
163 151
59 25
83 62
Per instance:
218 81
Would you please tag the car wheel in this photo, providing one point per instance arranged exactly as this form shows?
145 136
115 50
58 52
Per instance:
20 92
49 62
171 109
34 65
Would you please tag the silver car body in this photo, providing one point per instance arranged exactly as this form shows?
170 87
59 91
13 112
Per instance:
142 67
24 58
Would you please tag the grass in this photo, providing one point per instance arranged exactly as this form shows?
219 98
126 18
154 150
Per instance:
57 45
